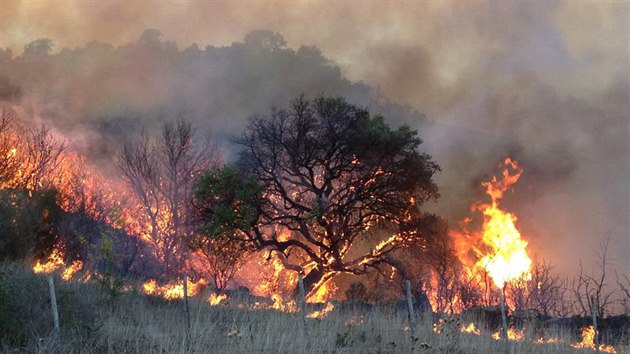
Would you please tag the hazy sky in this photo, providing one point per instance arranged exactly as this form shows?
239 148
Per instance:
545 81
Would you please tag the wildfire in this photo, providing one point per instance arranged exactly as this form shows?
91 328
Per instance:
280 304
325 292
513 334
471 328
588 341
216 299
551 340
509 259
323 312
503 253
173 290
54 262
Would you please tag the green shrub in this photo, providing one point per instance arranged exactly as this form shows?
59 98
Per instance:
28 221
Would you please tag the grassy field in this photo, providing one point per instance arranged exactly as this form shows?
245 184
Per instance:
94 321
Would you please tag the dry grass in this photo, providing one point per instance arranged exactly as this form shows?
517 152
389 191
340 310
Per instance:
92 322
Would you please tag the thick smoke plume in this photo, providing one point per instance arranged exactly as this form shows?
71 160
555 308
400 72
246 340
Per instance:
547 83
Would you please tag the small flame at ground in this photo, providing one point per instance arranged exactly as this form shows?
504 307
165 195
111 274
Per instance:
513 334
588 341
173 290
323 312
281 305
471 328
54 262
550 340
216 299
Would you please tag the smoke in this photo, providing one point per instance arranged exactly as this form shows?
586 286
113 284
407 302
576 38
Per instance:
8 91
545 82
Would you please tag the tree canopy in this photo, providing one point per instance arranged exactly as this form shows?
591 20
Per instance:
320 184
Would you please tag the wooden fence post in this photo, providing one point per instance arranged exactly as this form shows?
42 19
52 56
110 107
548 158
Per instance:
186 309
504 329
594 315
55 313
410 307
302 298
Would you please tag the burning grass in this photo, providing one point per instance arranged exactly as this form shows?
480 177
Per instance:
93 321
55 261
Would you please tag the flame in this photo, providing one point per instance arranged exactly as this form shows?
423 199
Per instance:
272 280
173 290
55 261
323 312
509 259
513 334
281 305
551 340
501 251
471 328
588 341
325 292
216 299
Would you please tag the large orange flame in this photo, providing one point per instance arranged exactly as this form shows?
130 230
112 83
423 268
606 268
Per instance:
500 249
508 259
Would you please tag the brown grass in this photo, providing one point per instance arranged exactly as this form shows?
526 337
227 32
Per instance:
92 322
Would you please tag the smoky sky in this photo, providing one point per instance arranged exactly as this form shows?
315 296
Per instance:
544 82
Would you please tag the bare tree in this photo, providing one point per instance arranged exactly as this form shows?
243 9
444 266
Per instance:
594 285
447 271
221 259
548 291
28 156
9 163
544 291
160 172
43 154
624 286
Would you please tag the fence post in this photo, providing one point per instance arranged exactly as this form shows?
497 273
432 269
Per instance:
594 315
410 307
55 313
302 298
504 330
186 309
